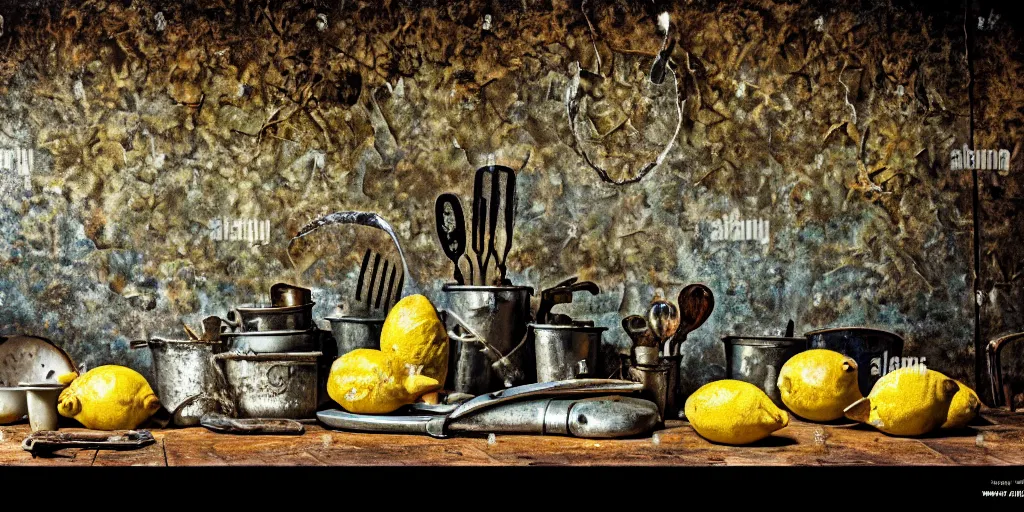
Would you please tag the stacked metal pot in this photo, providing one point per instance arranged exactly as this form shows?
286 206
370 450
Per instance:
272 356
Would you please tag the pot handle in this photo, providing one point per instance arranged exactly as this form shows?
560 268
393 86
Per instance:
235 324
138 343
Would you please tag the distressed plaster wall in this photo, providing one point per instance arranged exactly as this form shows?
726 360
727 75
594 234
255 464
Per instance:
833 122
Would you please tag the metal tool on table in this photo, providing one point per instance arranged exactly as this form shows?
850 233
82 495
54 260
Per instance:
589 408
451 232
48 441
1002 392
565 348
228 425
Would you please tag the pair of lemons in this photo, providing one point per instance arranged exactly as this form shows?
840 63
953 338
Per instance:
821 385
412 362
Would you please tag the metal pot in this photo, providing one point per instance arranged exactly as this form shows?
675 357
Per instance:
260 318
185 372
351 332
272 341
272 385
758 360
872 349
566 351
499 315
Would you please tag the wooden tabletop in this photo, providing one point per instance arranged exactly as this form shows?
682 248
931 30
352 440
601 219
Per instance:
997 440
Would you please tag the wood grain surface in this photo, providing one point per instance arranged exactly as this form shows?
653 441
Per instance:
997 439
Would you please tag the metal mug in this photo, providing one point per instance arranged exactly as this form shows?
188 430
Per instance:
351 332
188 381
872 349
566 351
759 359
499 315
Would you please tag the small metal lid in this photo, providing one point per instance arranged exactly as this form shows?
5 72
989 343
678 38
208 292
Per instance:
254 308
763 341
296 357
256 334
852 330
452 287
577 326
354 319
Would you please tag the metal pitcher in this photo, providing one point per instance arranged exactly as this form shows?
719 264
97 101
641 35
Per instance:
188 381
493 353
351 332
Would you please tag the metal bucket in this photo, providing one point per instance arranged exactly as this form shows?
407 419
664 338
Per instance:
758 360
566 351
870 348
499 315
273 385
185 371
351 332
272 341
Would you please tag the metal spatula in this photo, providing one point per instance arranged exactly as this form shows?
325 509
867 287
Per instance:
451 231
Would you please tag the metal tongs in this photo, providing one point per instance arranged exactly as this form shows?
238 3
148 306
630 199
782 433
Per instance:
567 407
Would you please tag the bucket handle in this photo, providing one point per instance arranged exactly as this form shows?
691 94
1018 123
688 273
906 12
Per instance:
501 363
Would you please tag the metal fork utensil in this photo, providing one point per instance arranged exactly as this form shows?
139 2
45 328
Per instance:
377 291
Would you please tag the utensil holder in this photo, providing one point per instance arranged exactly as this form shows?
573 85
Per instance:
565 352
493 354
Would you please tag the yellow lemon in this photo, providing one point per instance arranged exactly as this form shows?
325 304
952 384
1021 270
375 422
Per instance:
367 381
413 335
108 398
963 408
733 412
818 384
909 401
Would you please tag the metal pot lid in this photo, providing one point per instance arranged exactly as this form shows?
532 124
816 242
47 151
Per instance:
296 357
452 287
354 319
253 308
256 334
39 386
567 327
159 341
762 341
852 330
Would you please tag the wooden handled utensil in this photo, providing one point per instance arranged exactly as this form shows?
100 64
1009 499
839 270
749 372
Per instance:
696 302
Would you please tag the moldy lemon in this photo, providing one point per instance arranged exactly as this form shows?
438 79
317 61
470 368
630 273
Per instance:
108 398
818 384
909 401
733 412
413 335
963 409
367 381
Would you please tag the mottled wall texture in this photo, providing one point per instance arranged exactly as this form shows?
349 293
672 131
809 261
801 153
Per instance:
830 124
